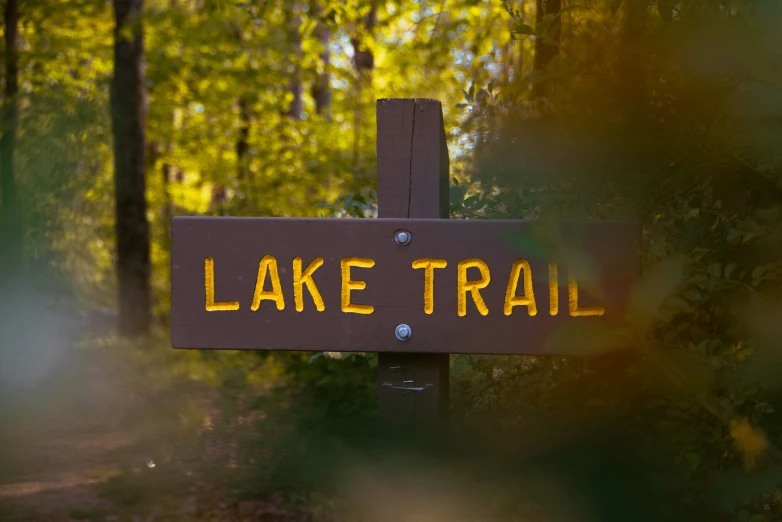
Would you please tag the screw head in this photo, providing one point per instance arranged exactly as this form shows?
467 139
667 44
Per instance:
403 237
403 332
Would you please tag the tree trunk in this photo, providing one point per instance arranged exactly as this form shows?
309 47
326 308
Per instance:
10 224
321 90
363 59
293 23
128 111
166 211
242 142
364 62
546 51
219 198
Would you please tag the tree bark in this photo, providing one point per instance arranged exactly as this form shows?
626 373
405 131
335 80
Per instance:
10 225
293 23
242 142
364 63
128 111
546 51
363 59
321 90
166 171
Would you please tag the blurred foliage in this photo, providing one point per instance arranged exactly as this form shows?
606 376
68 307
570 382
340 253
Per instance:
669 118
664 112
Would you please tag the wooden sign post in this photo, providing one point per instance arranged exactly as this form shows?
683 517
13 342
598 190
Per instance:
410 285
412 182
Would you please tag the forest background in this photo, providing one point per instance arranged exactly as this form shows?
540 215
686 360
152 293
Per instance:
118 116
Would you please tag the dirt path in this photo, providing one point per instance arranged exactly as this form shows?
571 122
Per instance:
95 442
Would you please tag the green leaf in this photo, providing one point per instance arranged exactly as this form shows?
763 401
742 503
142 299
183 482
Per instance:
523 29
730 270
457 193
759 271
734 235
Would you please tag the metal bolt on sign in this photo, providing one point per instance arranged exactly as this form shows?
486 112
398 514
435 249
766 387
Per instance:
403 332
403 237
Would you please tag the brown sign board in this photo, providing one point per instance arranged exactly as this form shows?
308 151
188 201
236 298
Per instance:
461 286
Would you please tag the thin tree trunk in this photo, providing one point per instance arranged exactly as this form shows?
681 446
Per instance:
242 142
128 111
11 226
243 139
364 63
363 59
321 90
166 171
293 23
545 51
219 197
166 174
154 151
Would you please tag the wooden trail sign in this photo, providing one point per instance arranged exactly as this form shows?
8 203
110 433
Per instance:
474 286
359 285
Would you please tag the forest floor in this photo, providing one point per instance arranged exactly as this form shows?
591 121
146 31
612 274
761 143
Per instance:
102 440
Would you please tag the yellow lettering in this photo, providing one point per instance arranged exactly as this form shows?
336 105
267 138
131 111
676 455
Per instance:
474 287
348 285
305 278
553 289
268 265
429 264
528 299
209 287
575 311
